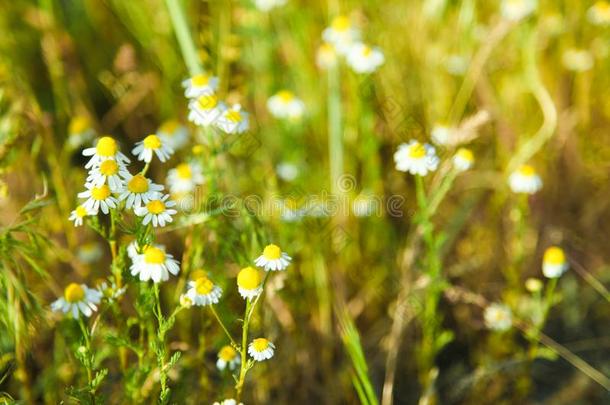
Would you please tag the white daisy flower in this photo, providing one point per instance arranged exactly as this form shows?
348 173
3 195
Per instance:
287 171
174 134
139 190
363 58
577 60
203 292
525 180
228 356
463 159
416 158
341 34
249 283
554 262
200 84
267 5
108 171
185 177
285 105
599 13
78 298
98 197
154 263
79 214
205 109
134 250
106 148
498 317
273 259
442 134
233 120
89 252
152 143
261 349
515 10
110 291
80 131
157 210
326 56
229 401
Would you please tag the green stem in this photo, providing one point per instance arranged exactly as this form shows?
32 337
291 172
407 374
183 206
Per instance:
335 146
244 349
222 325
88 358
161 353
183 34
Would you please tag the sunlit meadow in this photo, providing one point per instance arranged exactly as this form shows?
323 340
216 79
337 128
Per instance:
304 202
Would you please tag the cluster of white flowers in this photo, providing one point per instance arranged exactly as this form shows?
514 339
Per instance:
285 105
268 5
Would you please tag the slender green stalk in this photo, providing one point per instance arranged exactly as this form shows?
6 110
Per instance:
183 34
335 142
222 325
87 357
244 350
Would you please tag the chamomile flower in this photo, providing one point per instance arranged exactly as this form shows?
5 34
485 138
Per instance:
287 171
80 131
525 180
203 292
110 291
106 148
261 349
416 158
515 10
249 282
185 177
154 263
229 401
233 120
205 109
152 144
285 105
228 356
554 262
77 299
185 301
138 190
108 172
159 211
78 214
174 134
326 56
341 34
498 317
98 197
577 60
442 134
267 5
200 84
363 58
463 159
273 258
599 13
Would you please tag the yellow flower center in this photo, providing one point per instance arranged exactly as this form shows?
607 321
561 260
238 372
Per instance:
603 8
200 80
465 154
197 149
272 252
227 353
153 255
554 255
184 171
81 211
248 278
204 286
74 293
78 124
340 23
233 116
367 50
286 96
106 147
155 207
100 193
260 344
169 127
109 168
527 170
138 184
417 151
207 101
152 142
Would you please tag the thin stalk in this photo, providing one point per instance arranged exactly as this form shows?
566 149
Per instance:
183 34
222 325
335 142
244 348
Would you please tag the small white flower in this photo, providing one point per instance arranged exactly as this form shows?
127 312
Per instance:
416 158
498 317
106 148
525 180
363 58
442 134
228 356
229 401
233 120
326 56
152 144
341 34
577 60
599 13
203 292
287 171
98 197
90 252
139 190
285 105
261 349
110 172
78 299
78 214
174 134
111 291
273 259
205 110
515 10
157 210
463 159
267 5
154 264
249 283
185 177
554 263
200 84
80 131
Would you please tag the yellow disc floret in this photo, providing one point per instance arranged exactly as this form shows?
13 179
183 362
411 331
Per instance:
340 23
527 170
272 252
138 184
109 167
417 151
152 142
286 96
169 127
249 278
233 116
79 124
260 344
100 193
155 206
200 80
106 147
227 353
184 171
81 211
207 101
154 255
203 286
465 154
74 293
554 255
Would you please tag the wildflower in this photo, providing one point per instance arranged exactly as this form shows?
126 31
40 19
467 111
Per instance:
89 252
599 13
341 34
154 263
249 282
233 120
80 131
78 298
498 317
205 109
157 210
273 258
174 134
185 177
285 105
416 158
203 292
185 301
200 84
463 159
261 349
515 10
442 134
78 214
228 356
554 262
363 58
230 401
111 291
108 171
266 5
577 60
98 197
106 148
525 180
138 190
152 143
326 56
287 171
533 285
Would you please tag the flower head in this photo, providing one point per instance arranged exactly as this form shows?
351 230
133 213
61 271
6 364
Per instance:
158 210
205 109
525 180
515 10
554 262
229 401
108 172
78 298
106 148
285 105
599 13
98 197
200 84
249 282
416 158
139 190
267 5
326 56
152 144
363 58
154 263
228 356
273 259
261 349
79 213
80 131
498 317
463 159
341 34
442 134
185 177
233 120
203 292
577 60
175 135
